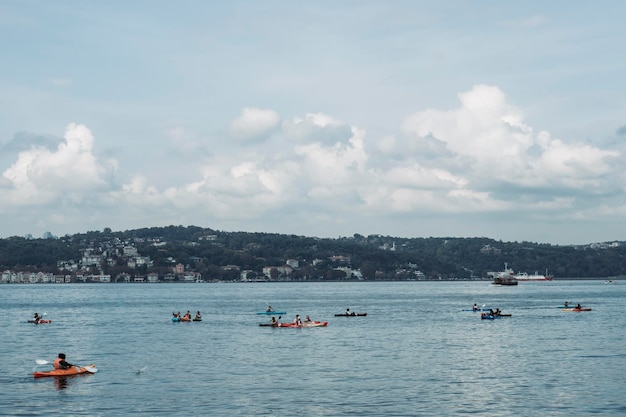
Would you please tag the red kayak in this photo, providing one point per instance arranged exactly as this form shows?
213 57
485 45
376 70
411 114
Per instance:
74 370
288 325
42 321
304 324
577 310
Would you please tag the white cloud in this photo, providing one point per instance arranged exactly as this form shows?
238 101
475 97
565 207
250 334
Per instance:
480 157
254 124
40 175
491 137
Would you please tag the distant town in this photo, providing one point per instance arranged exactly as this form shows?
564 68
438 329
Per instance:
196 255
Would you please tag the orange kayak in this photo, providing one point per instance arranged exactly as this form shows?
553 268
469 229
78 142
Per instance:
74 370
314 323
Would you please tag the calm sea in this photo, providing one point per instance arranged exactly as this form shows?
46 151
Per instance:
417 353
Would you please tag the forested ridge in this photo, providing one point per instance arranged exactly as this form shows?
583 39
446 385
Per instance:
211 252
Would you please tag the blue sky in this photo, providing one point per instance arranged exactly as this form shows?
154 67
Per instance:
491 119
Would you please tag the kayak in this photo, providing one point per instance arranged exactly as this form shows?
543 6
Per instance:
491 317
177 319
478 309
272 312
288 325
42 321
196 319
577 310
74 370
351 315
314 323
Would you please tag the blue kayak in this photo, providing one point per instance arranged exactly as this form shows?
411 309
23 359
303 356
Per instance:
272 312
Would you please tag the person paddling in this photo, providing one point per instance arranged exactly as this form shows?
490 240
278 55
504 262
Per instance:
36 318
60 363
297 320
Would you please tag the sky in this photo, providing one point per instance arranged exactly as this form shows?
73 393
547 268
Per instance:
504 120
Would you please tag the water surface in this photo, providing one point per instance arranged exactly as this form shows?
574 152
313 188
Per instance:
415 354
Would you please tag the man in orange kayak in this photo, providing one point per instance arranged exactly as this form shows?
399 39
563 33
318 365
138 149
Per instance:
60 363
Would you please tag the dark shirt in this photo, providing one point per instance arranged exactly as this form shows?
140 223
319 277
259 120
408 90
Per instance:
64 365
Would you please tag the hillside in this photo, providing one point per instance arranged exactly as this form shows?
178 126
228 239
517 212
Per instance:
170 252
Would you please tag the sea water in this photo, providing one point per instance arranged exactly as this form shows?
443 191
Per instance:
417 353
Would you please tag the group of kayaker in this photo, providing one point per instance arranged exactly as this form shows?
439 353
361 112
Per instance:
495 312
566 304
186 316
297 320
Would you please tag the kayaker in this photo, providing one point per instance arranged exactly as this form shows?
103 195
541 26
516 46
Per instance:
307 319
198 316
297 320
578 306
475 307
36 318
60 363
176 314
348 313
269 309
187 315
566 304
274 321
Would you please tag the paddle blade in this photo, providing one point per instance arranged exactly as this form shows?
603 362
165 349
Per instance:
91 369
42 362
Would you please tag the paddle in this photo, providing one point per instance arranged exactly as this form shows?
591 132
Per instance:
91 369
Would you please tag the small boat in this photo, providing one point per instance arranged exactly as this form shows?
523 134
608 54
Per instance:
577 310
196 319
351 315
314 323
74 370
272 312
42 321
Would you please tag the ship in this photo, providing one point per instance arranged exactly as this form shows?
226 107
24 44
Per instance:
523 276
506 277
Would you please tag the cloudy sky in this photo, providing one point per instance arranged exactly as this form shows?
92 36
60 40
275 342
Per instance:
409 118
